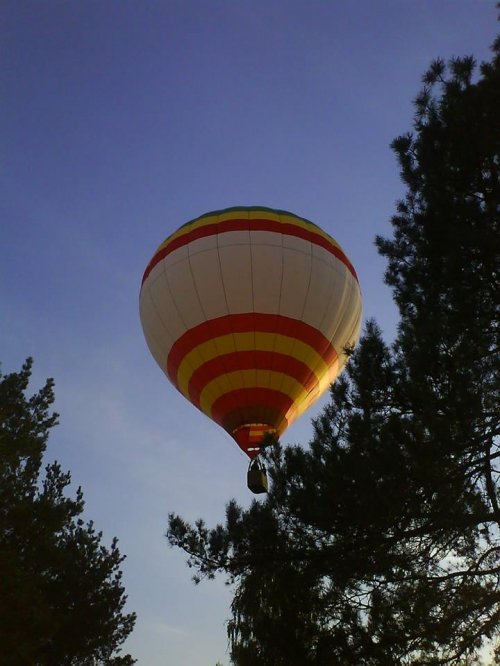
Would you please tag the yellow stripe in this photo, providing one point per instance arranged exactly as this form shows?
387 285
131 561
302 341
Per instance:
211 219
251 215
289 219
324 383
232 215
251 379
226 344
265 214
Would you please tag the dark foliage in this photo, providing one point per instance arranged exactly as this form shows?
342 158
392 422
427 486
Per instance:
379 544
61 596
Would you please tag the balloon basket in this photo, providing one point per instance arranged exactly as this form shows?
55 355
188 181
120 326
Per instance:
257 477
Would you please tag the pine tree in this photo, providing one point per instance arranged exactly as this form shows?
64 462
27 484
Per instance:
61 596
379 543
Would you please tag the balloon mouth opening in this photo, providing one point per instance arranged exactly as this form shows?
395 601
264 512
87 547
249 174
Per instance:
249 437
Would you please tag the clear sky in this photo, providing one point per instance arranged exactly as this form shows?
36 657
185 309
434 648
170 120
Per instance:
120 121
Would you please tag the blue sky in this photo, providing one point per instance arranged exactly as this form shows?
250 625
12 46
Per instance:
122 120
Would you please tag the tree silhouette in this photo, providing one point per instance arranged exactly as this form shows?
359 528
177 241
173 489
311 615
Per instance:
61 596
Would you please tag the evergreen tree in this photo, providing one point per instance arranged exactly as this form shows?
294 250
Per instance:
61 596
379 544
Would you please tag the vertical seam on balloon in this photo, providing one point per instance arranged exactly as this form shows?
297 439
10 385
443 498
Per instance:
253 294
353 323
334 267
163 363
172 297
345 300
194 282
191 272
308 283
307 296
164 273
281 279
224 286
177 311
341 309
294 340
328 309
247 213
255 247
355 326
347 284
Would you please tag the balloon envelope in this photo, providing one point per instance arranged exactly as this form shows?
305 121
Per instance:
248 312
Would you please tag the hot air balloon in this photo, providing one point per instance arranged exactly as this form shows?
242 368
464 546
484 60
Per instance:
248 311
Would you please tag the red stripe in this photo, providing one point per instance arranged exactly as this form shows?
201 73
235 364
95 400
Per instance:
286 228
244 323
249 360
250 442
276 404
